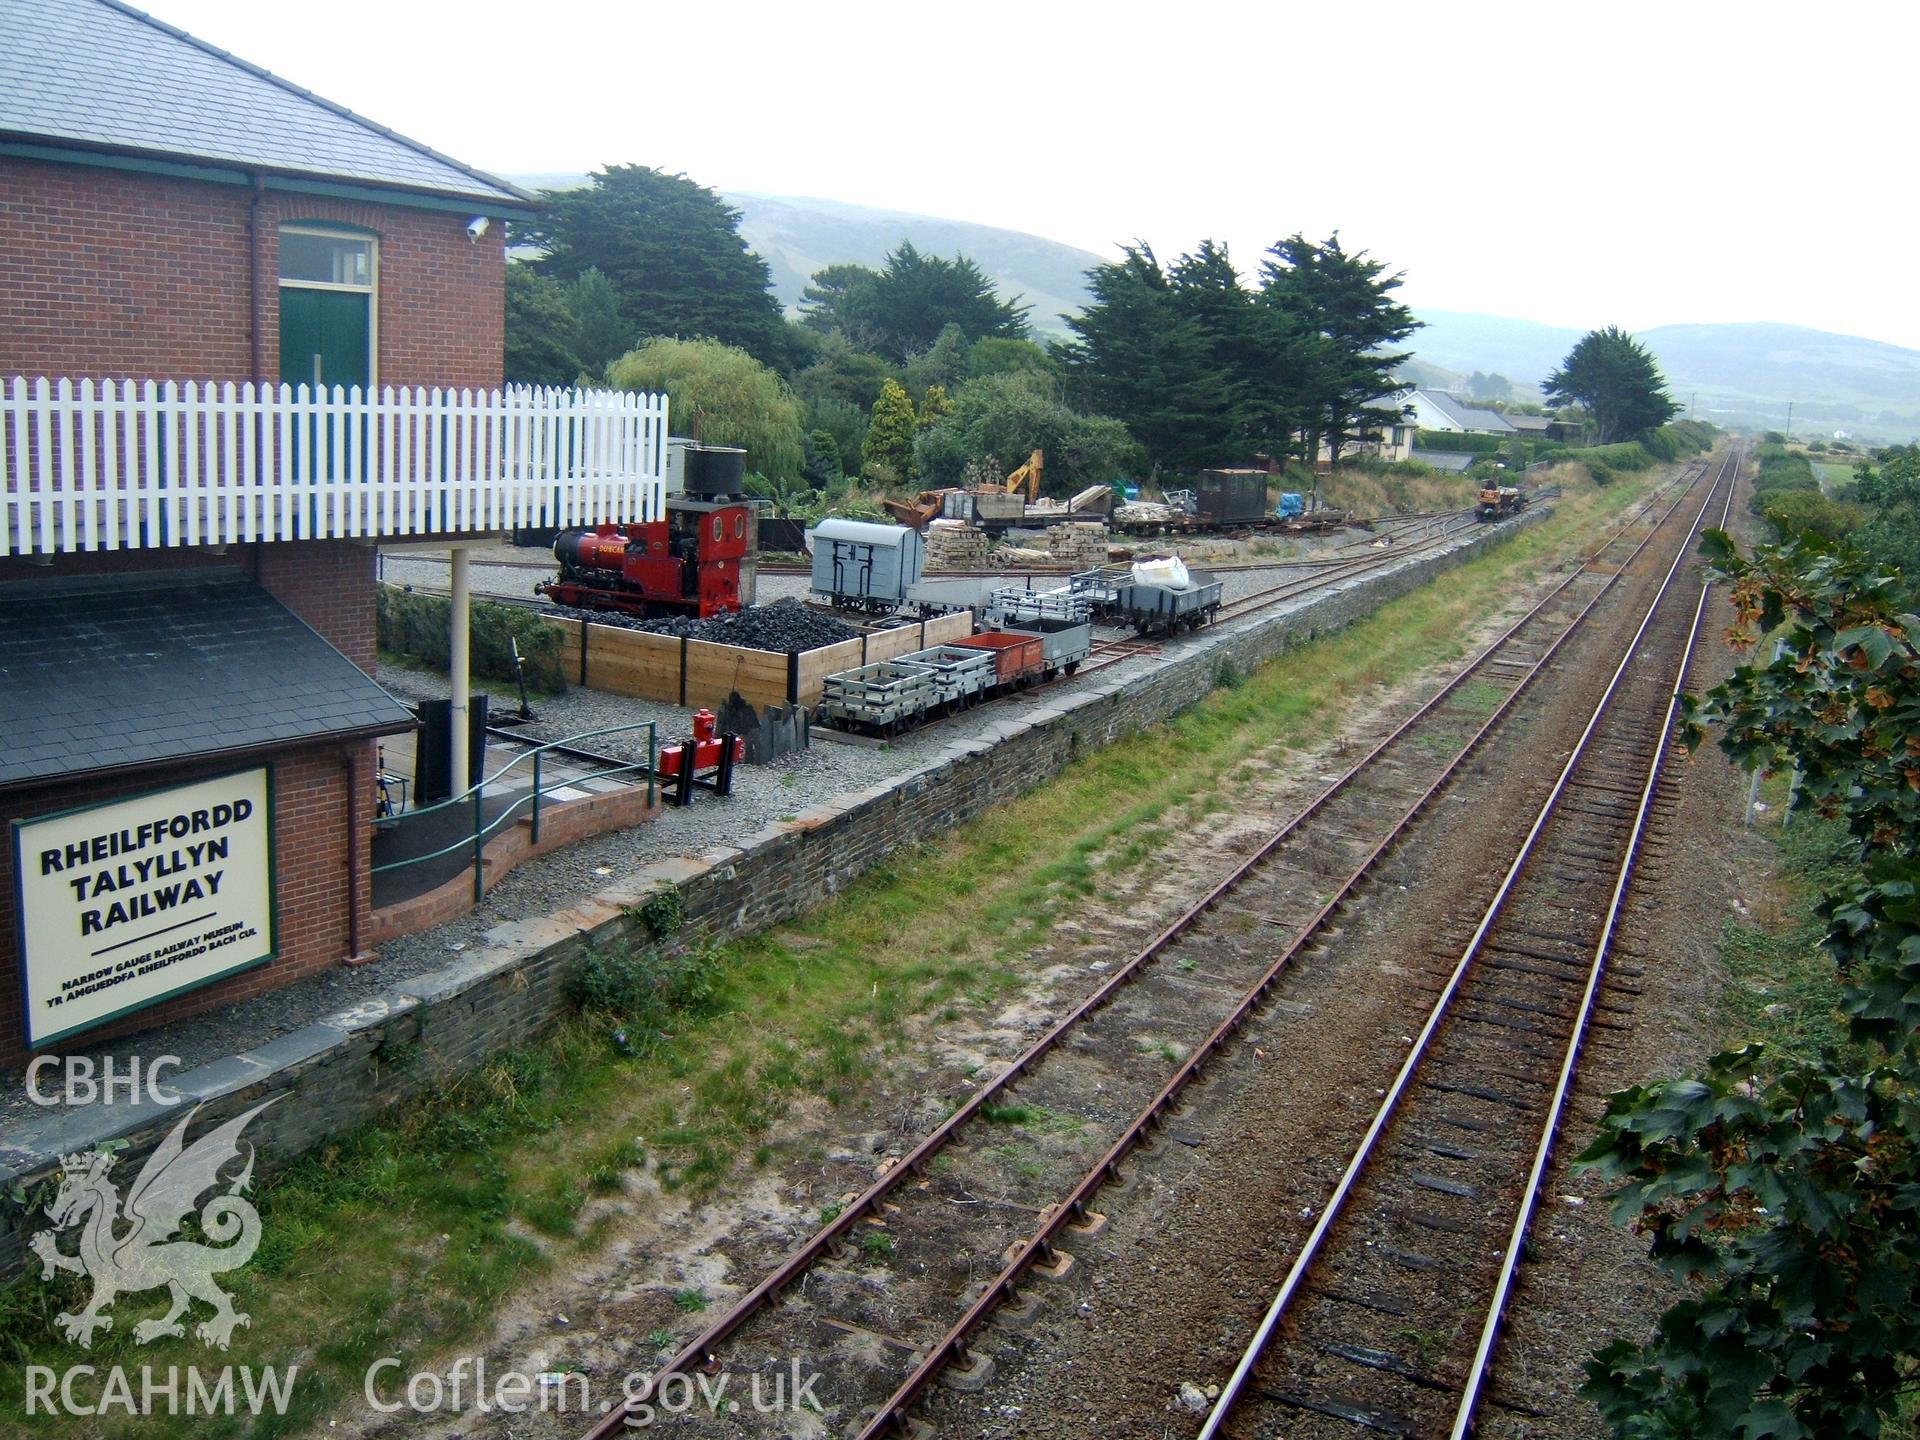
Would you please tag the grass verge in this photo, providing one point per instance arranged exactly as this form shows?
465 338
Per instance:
405 1237
1782 989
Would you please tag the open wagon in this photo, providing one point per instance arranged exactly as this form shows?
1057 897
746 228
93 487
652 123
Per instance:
1154 609
1064 642
1017 659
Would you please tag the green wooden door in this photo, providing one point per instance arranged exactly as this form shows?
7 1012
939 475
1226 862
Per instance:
325 337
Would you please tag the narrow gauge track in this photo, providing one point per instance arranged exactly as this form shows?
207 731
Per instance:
1438 531
1333 574
1391 525
1085 1071
1435 1203
1388 527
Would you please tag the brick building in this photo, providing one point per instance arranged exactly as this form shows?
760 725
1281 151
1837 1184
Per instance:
245 335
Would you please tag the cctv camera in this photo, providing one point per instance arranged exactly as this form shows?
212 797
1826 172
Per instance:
477 226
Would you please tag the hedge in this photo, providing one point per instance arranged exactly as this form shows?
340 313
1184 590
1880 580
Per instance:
1459 442
1669 442
420 625
1785 472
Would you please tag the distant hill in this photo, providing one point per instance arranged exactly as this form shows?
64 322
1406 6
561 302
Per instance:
1737 374
1524 351
797 237
1743 374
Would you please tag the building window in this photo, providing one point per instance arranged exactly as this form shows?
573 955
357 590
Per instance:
329 306
307 257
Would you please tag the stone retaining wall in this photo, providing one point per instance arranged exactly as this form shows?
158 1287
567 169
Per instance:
406 1045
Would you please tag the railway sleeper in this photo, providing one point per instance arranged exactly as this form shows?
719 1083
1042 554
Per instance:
1570 848
1428 1220
1440 1185
1385 1360
1562 936
1502 1022
1631 791
1378 1304
1479 1092
1524 1077
1550 1011
1521 968
1446 1151
1386 1422
1611 818
1570 877
1410 1259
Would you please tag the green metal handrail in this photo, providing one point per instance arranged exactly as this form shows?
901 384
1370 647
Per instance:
474 796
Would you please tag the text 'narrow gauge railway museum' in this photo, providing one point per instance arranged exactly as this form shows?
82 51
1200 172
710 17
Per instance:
245 336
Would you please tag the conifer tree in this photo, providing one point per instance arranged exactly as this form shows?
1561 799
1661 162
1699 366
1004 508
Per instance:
887 454
1618 382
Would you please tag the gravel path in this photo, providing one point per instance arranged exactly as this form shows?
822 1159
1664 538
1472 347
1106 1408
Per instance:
763 794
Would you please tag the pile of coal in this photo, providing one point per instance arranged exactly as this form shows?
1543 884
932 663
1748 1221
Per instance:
784 627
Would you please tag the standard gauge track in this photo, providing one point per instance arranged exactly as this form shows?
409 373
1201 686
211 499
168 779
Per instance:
1434 1204
956 1193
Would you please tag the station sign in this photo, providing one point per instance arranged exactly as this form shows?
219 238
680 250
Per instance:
124 904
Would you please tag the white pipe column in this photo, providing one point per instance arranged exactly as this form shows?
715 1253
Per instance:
459 666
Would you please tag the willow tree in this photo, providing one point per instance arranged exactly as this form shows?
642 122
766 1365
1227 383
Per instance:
721 395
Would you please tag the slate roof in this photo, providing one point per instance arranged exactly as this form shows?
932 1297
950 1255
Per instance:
103 672
1466 416
1451 462
101 75
1531 424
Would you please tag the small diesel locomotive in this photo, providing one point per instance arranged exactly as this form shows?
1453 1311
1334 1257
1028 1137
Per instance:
1497 502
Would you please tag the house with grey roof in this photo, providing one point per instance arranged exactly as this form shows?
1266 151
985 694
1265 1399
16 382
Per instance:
246 336
1532 427
1385 433
1437 410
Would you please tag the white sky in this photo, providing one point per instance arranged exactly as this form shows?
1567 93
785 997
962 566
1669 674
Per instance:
1580 164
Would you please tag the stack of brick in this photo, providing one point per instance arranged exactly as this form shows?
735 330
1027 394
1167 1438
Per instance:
1078 544
955 545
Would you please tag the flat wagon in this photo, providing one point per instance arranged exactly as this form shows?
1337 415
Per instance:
893 695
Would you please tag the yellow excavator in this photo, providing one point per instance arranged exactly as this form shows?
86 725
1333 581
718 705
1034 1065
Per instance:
928 504
925 506
1026 478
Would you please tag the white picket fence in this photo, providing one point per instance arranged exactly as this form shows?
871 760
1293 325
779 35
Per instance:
137 464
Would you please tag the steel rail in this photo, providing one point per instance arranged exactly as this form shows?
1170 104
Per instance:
1290 1287
1332 557
699 1352
1038 1247
1482 1362
1333 574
